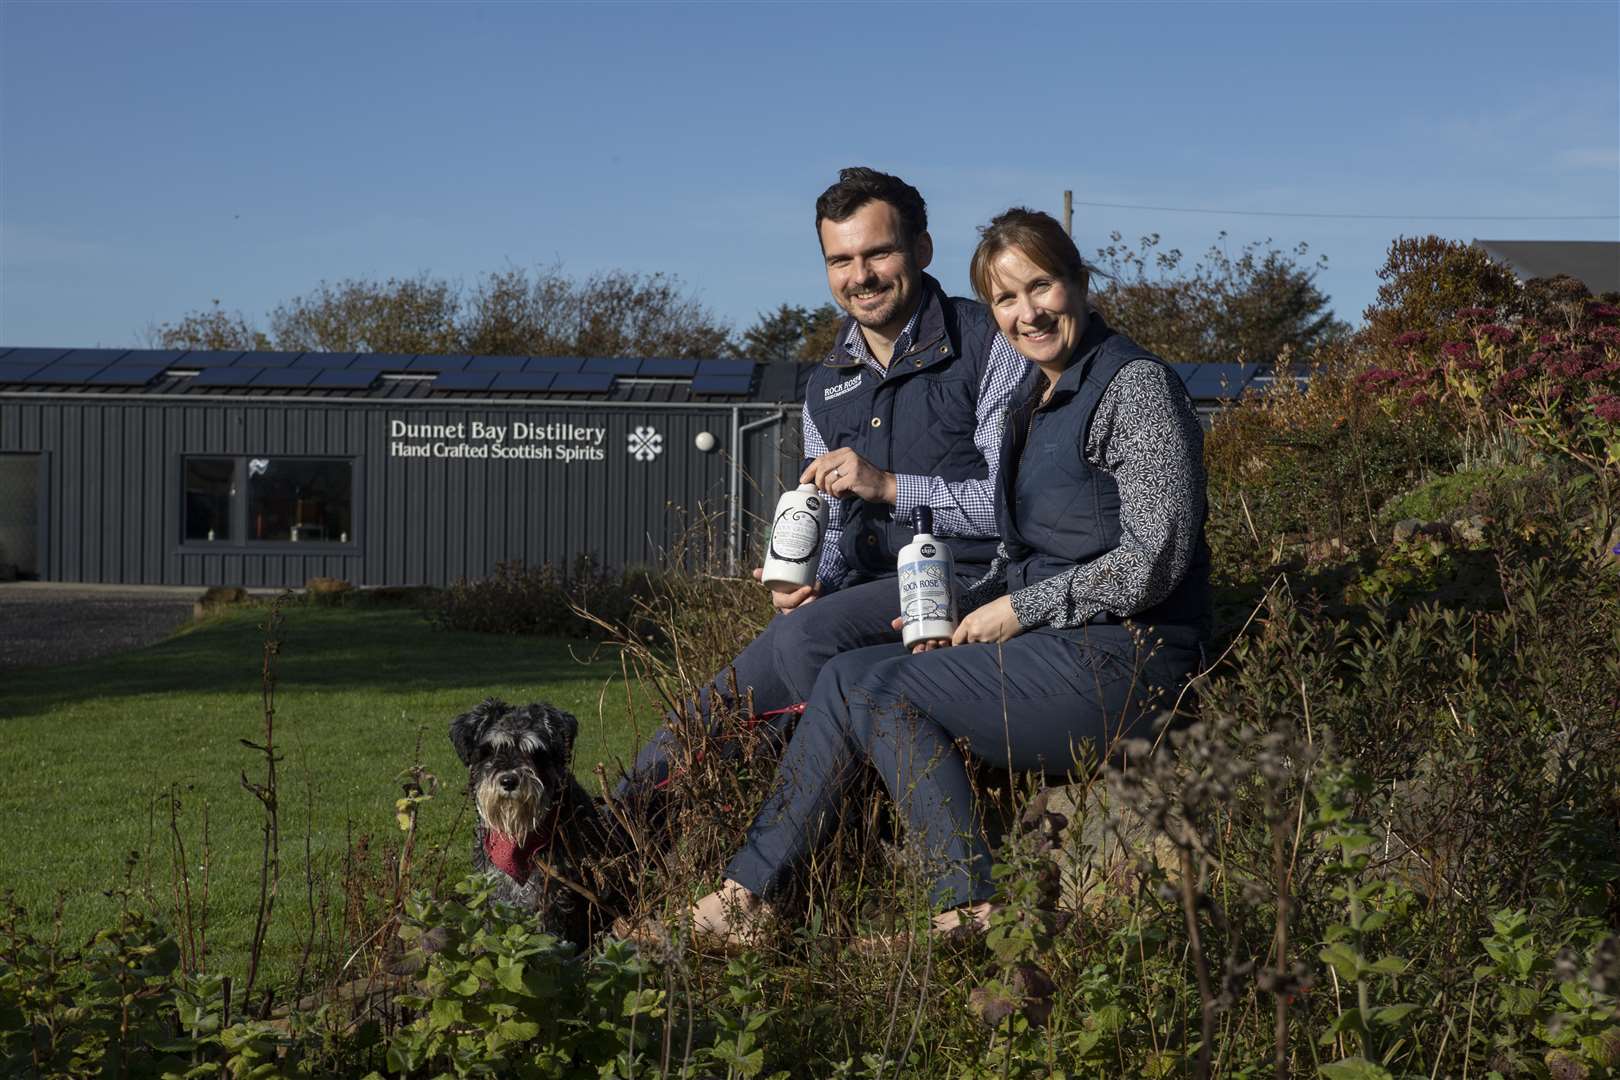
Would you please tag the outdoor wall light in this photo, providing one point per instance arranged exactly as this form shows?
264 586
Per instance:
704 441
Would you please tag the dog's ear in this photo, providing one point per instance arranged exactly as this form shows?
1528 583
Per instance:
467 730
561 730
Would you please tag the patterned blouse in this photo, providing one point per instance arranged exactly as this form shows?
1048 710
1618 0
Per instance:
1147 436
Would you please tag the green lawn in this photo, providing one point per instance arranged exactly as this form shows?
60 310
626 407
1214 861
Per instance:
88 749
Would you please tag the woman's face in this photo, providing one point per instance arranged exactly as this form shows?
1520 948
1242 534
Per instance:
1042 314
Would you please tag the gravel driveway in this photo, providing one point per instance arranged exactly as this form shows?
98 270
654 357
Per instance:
47 623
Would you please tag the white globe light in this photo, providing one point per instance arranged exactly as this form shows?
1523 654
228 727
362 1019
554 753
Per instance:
704 441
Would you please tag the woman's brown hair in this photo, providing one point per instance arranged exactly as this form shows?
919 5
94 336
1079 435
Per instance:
1041 240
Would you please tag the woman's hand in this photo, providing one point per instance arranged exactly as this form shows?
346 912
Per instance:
921 646
994 621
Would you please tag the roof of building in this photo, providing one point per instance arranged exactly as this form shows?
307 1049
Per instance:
1594 263
371 376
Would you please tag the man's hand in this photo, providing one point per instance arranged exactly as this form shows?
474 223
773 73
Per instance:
788 601
844 472
994 621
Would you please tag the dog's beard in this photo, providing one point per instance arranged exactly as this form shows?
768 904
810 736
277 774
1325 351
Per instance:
514 813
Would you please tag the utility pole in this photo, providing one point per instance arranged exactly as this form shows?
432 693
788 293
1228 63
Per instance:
1068 212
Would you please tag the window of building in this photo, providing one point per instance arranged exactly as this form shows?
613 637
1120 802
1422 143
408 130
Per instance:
299 499
269 500
210 485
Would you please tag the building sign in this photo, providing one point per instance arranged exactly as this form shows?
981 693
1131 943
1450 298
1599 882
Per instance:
511 440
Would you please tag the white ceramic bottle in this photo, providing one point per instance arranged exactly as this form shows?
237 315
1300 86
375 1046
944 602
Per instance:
794 549
927 584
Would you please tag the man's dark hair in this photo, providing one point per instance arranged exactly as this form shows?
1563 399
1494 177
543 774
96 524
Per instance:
858 185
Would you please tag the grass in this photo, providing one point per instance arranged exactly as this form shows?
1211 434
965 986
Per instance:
91 749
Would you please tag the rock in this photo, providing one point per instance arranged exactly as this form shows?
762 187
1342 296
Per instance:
1470 530
216 598
1413 529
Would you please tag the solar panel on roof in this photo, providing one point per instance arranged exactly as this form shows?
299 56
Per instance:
285 377
612 365
657 366
722 384
87 357
348 379
17 372
44 356
266 359
584 381
553 363
382 361
439 363
523 380
496 363
127 375
202 358
725 367
1217 381
464 380
149 357
325 360
64 374
225 376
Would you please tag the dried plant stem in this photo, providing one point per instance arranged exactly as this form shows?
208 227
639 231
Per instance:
1206 996
1280 870
266 793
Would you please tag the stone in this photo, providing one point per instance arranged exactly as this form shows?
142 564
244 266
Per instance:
217 597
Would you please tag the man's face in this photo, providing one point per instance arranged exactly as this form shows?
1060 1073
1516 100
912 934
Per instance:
872 272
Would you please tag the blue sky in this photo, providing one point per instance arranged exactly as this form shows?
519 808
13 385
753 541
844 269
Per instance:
156 156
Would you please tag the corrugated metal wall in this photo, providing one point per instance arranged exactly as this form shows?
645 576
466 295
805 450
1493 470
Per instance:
114 501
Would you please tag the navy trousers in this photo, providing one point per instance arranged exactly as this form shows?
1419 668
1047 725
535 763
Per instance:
780 666
1027 705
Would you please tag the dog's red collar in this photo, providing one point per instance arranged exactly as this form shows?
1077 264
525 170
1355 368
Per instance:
517 861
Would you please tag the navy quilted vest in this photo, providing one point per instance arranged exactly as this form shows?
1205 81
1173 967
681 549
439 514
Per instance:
918 420
1056 509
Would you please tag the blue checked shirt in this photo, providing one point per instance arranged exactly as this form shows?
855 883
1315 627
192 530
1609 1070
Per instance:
961 507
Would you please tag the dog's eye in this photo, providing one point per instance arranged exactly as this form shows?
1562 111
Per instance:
484 753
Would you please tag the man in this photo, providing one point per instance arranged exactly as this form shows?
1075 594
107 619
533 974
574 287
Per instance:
905 412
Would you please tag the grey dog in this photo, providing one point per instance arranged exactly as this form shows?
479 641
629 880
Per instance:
539 834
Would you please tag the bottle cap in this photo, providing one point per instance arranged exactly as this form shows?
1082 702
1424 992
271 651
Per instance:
924 517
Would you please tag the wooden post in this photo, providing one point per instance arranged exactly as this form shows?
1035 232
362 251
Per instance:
1068 212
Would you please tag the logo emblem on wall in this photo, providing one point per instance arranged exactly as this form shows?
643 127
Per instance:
646 443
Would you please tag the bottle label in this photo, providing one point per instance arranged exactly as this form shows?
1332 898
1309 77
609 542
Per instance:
796 533
925 590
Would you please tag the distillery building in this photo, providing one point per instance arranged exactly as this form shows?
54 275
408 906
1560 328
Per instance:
148 467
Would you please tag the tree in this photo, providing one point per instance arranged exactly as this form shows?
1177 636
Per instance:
793 334
511 312
209 328
409 315
1427 280
1260 306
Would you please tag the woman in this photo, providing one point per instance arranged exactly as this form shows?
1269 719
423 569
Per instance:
1092 617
